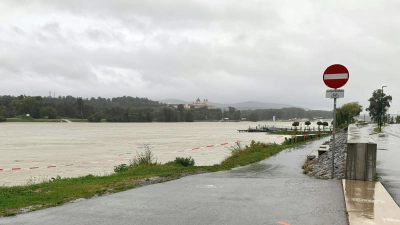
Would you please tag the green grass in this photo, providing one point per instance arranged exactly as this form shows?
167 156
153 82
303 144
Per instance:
377 130
75 120
32 120
59 190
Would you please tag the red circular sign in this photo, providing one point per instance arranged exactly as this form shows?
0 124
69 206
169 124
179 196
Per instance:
335 76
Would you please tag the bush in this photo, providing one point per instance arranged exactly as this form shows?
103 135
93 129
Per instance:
121 168
2 119
48 112
94 117
184 161
144 158
236 148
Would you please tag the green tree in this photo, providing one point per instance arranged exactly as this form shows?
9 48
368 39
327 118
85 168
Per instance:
237 115
189 115
324 124
379 102
2 119
225 114
231 110
295 124
319 123
253 117
96 117
79 106
308 123
28 105
346 113
181 110
48 112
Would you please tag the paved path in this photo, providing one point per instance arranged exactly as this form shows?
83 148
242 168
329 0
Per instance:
388 159
273 191
369 203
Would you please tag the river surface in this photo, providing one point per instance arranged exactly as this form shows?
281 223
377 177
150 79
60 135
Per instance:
34 152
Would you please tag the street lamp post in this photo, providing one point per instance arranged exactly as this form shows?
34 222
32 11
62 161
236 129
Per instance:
381 111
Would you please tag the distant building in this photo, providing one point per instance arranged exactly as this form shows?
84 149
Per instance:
199 104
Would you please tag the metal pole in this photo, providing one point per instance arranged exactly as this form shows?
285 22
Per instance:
380 113
333 138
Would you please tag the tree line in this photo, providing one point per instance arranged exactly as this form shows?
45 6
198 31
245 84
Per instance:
135 109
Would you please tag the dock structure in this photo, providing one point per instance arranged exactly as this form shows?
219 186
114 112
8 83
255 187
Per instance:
278 128
265 129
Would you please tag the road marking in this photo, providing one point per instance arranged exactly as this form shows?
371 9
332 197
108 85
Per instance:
283 223
367 200
391 220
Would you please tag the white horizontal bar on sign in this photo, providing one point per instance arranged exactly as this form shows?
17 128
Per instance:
336 76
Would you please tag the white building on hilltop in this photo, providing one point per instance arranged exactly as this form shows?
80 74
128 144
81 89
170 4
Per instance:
199 104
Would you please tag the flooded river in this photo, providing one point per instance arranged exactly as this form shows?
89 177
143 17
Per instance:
33 152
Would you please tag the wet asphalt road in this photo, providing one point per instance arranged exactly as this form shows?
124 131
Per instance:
273 191
388 159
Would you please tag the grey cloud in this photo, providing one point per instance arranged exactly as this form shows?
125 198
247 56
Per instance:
225 51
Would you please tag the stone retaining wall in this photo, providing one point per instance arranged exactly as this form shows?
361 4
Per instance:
321 167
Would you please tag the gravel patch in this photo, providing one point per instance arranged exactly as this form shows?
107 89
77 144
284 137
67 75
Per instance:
321 167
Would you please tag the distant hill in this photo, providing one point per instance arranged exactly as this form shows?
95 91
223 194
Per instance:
239 106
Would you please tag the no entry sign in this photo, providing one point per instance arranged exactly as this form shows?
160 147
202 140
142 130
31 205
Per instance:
335 76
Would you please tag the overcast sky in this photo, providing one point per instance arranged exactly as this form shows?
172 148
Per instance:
226 51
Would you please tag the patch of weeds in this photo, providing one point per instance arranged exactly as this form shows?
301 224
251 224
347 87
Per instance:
121 168
144 158
188 161
55 178
306 166
345 211
102 191
236 148
377 176
7 214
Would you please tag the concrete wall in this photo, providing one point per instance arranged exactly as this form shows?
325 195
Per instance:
361 156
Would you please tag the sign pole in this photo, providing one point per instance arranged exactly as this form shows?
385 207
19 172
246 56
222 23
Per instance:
333 138
335 76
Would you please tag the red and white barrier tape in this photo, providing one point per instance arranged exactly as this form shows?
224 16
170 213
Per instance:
121 159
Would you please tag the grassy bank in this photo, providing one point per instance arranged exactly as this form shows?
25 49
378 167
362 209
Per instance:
32 120
377 130
299 132
58 191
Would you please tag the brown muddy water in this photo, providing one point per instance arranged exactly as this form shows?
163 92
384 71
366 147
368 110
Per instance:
34 152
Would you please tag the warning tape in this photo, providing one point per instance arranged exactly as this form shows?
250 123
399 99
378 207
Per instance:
121 159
